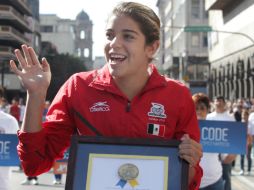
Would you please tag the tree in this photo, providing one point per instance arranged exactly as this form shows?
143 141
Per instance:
62 67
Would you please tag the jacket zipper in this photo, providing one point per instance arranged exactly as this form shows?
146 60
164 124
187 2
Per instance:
128 107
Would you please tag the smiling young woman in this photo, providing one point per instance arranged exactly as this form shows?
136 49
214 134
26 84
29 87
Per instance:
125 98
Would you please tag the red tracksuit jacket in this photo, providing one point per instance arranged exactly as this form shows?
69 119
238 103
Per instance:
94 96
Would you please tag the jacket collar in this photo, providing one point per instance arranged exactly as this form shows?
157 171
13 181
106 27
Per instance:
104 81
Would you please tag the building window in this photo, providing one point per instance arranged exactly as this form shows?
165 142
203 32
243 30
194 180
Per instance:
46 28
195 8
79 52
4 28
86 52
205 41
195 40
82 34
37 40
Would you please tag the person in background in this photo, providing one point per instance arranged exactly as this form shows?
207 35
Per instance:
14 108
221 114
251 133
237 110
4 106
45 110
8 125
22 110
126 98
212 168
245 116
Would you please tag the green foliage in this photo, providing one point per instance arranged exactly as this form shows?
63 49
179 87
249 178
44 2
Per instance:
62 67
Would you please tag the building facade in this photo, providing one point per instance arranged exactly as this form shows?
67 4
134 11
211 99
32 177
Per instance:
34 25
69 36
183 54
14 28
231 48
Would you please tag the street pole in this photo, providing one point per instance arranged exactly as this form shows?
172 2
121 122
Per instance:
208 29
237 33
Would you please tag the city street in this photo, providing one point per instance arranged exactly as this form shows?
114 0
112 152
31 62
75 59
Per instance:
239 182
45 181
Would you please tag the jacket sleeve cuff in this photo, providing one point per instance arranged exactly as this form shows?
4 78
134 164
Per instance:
30 142
194 185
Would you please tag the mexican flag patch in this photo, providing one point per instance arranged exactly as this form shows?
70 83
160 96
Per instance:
156 129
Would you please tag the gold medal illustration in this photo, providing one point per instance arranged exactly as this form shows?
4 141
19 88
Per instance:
128 173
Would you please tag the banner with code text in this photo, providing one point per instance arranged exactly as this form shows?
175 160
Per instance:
223 136
8 150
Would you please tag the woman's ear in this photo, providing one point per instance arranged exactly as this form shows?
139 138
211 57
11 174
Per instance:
152 48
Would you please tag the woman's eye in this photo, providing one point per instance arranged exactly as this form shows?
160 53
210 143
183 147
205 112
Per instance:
109 36
128 37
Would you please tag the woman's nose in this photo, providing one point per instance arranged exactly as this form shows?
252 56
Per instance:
116 42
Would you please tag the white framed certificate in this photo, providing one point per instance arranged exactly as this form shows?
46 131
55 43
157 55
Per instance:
111 171
103 163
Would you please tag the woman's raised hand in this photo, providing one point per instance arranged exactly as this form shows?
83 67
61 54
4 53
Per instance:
34 76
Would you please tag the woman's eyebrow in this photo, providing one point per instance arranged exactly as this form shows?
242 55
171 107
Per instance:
132 31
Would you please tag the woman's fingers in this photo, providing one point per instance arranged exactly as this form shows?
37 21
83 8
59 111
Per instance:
27 55
45 65
33 56
190 150
189 159
14 68
22 61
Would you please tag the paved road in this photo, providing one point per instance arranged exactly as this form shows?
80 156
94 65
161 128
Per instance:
243 182
239 182
45 181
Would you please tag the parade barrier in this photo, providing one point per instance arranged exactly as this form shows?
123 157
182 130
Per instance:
9 155
223 136
8 150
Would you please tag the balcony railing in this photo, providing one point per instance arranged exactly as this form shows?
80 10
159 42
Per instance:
23 4
9 12
6 52
10 33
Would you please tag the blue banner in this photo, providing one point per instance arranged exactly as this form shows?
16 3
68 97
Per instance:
8 150
223 136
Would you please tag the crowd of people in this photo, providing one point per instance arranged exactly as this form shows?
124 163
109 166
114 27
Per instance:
217 168
13 114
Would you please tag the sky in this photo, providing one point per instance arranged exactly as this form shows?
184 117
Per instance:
97 10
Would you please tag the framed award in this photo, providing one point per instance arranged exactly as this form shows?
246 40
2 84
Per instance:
125 163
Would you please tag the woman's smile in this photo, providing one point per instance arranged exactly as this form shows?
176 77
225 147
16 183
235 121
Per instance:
115 58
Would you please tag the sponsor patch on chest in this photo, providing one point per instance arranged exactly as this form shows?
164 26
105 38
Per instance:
100 107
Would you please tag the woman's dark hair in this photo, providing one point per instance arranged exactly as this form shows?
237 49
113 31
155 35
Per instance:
147 20
201 98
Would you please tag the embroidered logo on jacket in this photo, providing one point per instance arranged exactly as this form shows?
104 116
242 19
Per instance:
157 110
99 107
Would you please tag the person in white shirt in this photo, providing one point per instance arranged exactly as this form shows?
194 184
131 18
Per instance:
221 114
210 163
251 138
8 125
